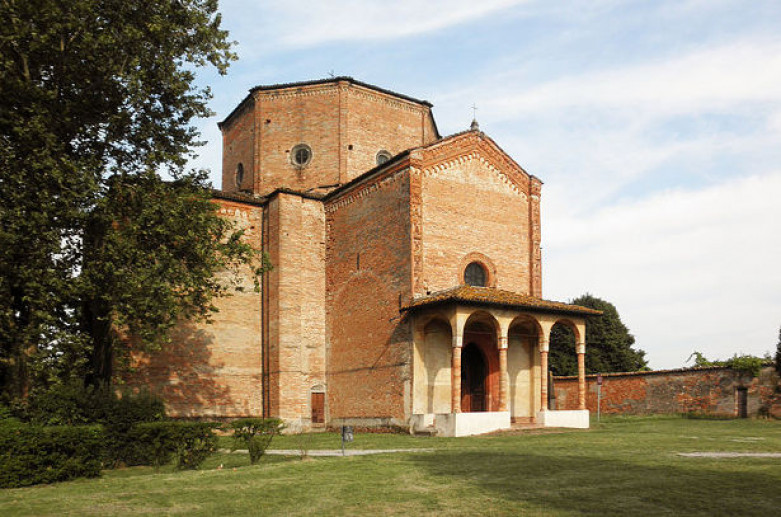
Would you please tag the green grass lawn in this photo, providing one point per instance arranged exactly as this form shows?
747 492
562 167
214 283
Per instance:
623 466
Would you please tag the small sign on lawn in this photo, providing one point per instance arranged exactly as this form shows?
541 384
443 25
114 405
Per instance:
347 435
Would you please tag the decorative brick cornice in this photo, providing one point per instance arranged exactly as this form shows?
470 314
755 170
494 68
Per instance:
386 99
364 188
308 91
473 145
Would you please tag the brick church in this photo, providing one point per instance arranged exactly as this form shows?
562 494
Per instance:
406 282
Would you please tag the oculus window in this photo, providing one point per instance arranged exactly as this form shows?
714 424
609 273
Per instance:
383 156
301 155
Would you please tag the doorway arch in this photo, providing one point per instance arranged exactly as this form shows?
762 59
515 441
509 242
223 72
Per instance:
474 377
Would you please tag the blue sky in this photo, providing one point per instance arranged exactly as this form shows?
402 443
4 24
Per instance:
656 127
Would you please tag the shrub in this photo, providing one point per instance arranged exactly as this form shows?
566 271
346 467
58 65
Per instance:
118 419
190 442
7 418
64 404
196 441
154 442
256 434
31 455
73 403
747 364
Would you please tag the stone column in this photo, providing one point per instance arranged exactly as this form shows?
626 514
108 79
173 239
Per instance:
455 376
544 373
503 384
581 349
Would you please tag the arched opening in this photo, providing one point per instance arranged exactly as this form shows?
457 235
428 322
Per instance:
475 275
523 368
432 372
480 364
562 356
474 377
239 175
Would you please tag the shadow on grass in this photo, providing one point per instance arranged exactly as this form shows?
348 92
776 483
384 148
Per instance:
611 487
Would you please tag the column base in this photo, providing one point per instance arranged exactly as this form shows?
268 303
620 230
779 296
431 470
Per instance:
462 424
575 419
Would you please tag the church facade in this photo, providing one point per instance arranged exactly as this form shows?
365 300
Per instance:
406 282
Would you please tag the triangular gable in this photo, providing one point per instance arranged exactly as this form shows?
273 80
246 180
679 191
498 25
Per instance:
470 143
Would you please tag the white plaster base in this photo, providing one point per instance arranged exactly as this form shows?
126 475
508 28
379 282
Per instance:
577 419
468 424
419 422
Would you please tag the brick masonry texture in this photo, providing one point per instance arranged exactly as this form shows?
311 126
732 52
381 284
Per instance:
700 390
213 369
344 124
352 243
296 312
368 275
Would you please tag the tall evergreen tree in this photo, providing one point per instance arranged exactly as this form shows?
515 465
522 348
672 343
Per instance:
98 96
778 353
609 345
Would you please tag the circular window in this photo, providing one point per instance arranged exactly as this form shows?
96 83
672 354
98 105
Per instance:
475 275
301 155
239 175
383 156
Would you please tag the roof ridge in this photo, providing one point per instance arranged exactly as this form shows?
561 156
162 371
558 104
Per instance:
341 78
497 297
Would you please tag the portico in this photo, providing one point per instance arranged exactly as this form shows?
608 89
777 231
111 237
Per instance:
481 360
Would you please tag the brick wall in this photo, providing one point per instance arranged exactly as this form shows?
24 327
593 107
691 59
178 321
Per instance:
296 311
345 125
287 118
376 121
368 270
238 141
471 211
213 369
701 390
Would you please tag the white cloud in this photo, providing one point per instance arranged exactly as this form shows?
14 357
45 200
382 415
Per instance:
712 79
595 133
306 23
688 270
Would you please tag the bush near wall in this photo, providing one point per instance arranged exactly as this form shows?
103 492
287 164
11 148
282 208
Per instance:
73 403
119 418
31 455
189 442
255 434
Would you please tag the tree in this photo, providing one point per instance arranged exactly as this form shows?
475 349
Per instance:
153 255
608 343
98 97
778 353
562 357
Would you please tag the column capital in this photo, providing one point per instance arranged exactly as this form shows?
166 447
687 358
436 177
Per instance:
544 344
580 348
458 341
502 342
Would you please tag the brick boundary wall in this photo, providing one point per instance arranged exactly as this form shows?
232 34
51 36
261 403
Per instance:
708 390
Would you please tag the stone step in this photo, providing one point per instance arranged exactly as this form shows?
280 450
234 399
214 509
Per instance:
426 431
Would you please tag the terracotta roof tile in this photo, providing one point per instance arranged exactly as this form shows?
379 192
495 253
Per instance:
497 298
